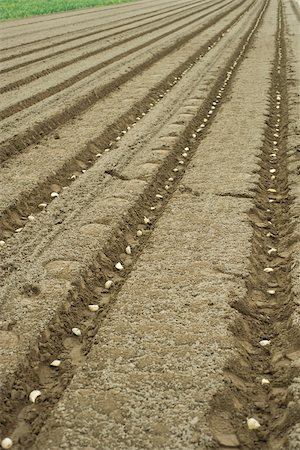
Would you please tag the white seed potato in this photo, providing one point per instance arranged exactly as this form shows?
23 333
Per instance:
119 266
2 243
93 308
146 220
55 363
76 331
265 381
54 194
181 162
175 170
118 138
83 170
271 291
272 250
31 218
167 187
108 284
268 270
186 149
184 155
42 205
253 424
272 170
128 250
34 395
6 443
158 196
273 177
139 233
171 179
194 135
272 190
18 230
264 342
98 155
153 208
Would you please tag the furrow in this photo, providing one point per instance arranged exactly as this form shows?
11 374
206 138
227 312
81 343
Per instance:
88 53
21 201
133 205
259 411
34 135
98 30
71 80
22 36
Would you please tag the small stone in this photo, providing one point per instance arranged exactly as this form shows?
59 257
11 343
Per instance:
227 439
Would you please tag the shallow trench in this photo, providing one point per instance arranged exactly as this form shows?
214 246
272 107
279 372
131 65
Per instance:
258 380
23 421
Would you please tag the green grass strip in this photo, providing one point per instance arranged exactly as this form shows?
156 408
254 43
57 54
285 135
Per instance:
13 9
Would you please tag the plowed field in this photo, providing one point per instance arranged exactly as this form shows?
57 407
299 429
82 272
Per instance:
150 227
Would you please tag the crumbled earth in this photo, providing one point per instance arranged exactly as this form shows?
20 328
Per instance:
149 227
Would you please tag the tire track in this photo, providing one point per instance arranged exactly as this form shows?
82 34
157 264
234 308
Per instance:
75 308
137 18
63 64
266 370
13 217
34 135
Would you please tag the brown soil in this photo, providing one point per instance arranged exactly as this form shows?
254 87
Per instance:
161 138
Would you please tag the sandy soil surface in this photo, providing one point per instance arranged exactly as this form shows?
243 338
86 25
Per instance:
149 227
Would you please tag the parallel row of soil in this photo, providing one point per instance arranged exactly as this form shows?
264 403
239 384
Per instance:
139 202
